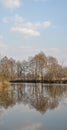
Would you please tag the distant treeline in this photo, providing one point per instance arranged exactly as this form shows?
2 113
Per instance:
39 67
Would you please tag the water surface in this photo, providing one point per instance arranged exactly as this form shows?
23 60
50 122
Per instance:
33 107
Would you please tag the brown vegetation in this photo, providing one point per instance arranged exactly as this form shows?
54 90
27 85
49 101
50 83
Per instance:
39 67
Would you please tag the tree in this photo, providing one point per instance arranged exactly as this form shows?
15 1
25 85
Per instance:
52 65
18 70
12 68
4 68
38 65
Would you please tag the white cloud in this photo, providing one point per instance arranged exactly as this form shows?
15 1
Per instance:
25 31
26 27
32 25
15 19
11 3
29 28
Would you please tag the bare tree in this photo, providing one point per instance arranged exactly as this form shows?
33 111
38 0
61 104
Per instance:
52 65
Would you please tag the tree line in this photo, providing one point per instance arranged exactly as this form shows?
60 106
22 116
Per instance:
38 67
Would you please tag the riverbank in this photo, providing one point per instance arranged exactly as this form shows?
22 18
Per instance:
39 81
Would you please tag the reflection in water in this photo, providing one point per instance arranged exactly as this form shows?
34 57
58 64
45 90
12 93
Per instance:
39 96
31 126
22 107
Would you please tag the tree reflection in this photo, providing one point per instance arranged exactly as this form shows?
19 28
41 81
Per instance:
39 96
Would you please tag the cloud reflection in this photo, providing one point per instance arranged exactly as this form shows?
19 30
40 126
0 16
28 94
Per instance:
32 126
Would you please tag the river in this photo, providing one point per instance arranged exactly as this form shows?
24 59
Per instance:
33 106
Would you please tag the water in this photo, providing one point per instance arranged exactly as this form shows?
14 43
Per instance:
33 107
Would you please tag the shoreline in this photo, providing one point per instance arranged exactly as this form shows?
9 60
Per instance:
40 81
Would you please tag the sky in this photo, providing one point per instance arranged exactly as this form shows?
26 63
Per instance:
28 27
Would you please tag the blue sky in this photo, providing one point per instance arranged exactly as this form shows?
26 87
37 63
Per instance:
30 26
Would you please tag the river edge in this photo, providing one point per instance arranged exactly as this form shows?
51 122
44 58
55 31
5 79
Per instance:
40 81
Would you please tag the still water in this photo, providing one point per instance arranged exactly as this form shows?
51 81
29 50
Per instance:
33 107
